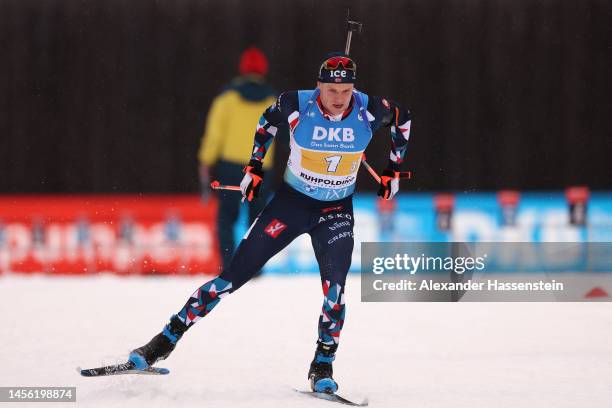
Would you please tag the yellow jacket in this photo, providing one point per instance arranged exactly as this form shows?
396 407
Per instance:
232 121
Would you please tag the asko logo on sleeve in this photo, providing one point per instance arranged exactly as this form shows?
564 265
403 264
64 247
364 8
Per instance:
274 228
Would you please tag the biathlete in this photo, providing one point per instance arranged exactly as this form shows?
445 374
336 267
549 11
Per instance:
330 127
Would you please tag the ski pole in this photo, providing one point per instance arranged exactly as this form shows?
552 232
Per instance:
215 185
402 174
370 169
351 26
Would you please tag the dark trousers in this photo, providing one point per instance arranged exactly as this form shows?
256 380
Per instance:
229 207
288 215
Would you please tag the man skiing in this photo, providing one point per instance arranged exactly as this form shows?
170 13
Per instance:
330 128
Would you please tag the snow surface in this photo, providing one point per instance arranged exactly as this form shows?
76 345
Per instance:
257 345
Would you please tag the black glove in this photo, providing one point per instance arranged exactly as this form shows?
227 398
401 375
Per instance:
389 183
251 182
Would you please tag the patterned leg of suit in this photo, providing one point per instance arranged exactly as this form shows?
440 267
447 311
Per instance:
203 300
332 241
331 319
279 223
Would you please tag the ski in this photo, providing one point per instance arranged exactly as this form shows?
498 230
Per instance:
124 368
333 398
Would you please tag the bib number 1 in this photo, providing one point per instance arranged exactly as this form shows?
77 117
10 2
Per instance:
332 163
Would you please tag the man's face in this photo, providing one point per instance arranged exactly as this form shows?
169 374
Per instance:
335 97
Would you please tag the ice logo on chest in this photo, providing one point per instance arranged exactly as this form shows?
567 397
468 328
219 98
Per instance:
333 134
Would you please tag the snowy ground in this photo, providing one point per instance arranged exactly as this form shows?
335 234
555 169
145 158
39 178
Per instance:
257 344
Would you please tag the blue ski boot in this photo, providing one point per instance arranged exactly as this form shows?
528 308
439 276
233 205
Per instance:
321 371
160 346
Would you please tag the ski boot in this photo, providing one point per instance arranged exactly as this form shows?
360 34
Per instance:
321 371
160 346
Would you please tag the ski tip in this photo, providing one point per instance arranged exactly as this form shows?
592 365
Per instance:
84 372
163 371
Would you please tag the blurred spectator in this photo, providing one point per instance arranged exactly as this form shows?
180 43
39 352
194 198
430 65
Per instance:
228 140
172 227
126 229
2 234
386 218
38 231
83 231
